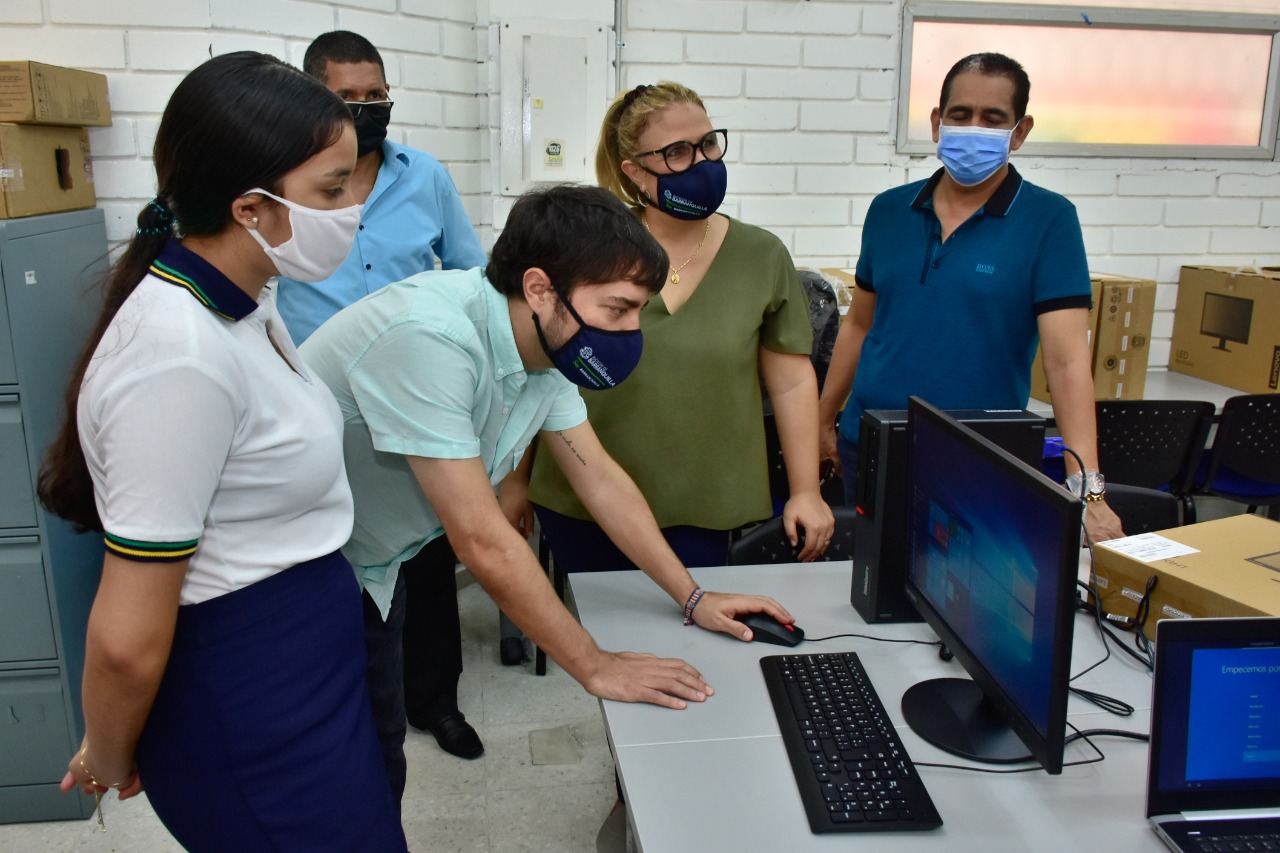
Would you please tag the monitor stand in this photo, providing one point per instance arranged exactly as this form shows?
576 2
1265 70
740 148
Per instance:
953 715
1222 345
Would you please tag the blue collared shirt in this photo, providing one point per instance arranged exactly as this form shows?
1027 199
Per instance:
956 320
412 216
428 367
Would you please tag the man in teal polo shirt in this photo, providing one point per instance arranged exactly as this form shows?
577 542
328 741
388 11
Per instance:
444 380
960 276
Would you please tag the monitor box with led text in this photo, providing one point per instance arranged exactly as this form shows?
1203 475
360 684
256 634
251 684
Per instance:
881 546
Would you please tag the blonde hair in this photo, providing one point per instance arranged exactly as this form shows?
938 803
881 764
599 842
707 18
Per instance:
625 121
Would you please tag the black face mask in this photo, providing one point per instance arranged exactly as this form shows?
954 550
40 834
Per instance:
371 127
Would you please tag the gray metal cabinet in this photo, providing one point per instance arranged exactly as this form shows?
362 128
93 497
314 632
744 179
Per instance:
51 267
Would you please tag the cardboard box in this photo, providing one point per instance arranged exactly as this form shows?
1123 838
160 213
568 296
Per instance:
1226 327
44 170
1234 572
36 93
1119 328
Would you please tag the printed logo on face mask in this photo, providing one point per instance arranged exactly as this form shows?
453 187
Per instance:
587 362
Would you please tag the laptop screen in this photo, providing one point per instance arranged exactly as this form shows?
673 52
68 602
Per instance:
1215 728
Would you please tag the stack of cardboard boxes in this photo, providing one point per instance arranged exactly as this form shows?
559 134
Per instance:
44 148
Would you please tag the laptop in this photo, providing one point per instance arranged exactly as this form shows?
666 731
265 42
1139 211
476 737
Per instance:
1214 769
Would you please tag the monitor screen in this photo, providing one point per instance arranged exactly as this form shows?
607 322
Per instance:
1227 318
994 553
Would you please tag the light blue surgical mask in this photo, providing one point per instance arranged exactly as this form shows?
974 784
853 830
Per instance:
972 154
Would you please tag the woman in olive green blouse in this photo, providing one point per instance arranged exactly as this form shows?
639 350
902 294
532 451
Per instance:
687 425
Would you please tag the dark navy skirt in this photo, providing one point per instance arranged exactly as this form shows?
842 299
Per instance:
261 736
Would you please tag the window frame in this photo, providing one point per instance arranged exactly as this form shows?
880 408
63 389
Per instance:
1032 14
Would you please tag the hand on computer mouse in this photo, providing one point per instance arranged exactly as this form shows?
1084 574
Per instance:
766 629
719 611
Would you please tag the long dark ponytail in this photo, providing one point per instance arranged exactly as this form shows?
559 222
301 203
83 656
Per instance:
236 122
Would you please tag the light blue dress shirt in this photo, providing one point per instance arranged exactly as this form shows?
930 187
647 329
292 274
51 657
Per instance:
412 216
428 367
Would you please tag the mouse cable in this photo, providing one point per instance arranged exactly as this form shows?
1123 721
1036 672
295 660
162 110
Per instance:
1076 735
877 639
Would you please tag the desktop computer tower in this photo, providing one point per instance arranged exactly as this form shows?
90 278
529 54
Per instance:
882 525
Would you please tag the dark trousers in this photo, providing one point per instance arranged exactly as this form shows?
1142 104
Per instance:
385 676
848 468
432 635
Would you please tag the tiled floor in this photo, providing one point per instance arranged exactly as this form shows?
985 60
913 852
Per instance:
512 799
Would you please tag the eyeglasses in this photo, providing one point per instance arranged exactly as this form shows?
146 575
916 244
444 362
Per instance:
680 155
357 107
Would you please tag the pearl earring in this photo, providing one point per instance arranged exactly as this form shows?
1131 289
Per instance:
254 220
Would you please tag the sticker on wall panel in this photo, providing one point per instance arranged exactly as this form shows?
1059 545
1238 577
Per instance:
553 154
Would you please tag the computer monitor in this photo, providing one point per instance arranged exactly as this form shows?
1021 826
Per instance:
994 552
1226 318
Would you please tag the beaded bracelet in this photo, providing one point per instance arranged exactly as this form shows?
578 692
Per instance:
694 598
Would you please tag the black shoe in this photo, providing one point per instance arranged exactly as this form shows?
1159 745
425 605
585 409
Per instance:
511 651
455 735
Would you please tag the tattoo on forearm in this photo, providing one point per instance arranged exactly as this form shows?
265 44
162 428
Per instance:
569 444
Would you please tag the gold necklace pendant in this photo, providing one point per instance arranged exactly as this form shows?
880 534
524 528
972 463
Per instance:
675 271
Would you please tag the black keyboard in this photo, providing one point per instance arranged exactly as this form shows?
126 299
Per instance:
853 773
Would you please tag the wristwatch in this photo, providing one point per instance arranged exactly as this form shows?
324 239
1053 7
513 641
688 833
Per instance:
1095 485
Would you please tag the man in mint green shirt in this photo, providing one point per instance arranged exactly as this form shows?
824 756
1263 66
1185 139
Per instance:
444 380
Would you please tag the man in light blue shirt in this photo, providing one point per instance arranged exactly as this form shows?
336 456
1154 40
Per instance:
445 379
412 215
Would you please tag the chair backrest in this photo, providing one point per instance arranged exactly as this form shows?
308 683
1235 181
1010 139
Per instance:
1143 510
824 315
1248 438
1152 443
767 543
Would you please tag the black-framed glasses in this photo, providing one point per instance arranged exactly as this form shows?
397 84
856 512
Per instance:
680 155
357 107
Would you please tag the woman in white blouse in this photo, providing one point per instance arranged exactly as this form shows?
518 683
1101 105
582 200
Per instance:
224 664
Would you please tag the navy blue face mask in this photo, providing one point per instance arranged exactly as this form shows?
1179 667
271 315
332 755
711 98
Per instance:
695 193
594 358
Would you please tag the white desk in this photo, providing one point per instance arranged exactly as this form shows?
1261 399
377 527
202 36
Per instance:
1165 385
716 776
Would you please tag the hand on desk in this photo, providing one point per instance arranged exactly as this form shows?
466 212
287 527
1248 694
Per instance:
1101 522
718 611
637 677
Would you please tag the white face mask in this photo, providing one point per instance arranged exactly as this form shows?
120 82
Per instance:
320 243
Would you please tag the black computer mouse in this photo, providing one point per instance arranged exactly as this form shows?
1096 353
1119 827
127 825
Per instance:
766 629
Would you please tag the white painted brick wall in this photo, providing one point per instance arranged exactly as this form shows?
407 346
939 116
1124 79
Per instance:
709 81
680 14
806 89
740 49
23 12
78 47
150 13
825 18
304 20
850 52
742 115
